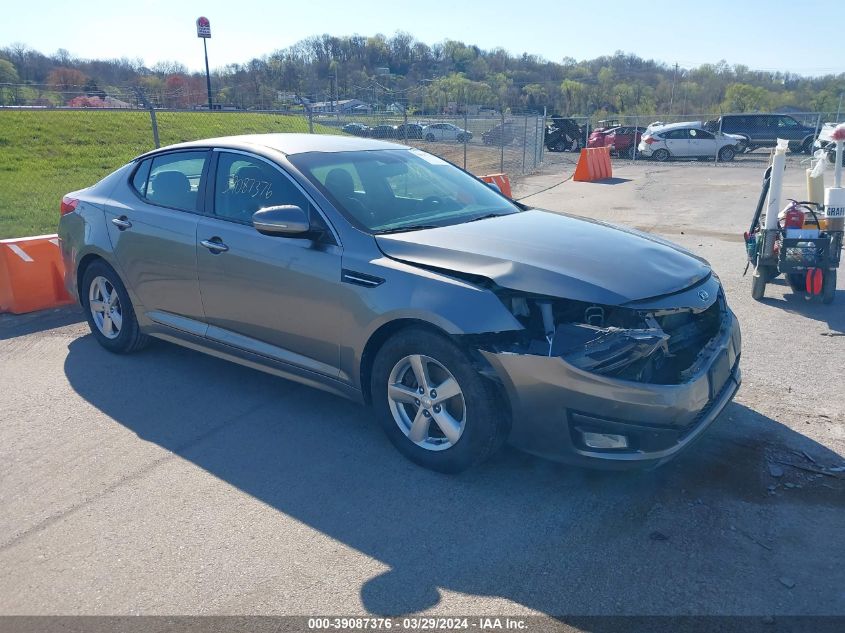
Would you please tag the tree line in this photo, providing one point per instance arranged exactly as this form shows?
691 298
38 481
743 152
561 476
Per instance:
381 71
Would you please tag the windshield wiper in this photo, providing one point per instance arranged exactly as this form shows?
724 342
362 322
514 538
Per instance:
487 216
410 227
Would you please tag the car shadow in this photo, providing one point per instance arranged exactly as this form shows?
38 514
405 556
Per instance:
556 539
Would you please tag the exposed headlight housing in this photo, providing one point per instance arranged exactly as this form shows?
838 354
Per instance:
606 350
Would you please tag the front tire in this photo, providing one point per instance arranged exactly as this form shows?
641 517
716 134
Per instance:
434 406
109 310
429 137
726 154
758 282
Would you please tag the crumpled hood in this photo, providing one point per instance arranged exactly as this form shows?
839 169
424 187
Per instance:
554 254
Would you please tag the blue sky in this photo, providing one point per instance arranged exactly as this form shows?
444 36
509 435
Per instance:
772 35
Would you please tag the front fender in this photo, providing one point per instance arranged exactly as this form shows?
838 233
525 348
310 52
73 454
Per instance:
450 304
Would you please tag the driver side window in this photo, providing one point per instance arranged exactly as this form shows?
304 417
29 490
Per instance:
244 185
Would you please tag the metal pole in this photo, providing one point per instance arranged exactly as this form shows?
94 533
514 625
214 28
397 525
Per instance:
636 131
502 144
524 142
839 107
466 127
155 127
543 134
405 125
716 160
207 73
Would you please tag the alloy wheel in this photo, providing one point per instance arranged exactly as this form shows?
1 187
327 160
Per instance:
104 303
426 402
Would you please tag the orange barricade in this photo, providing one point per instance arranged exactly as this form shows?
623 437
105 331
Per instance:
501 181
593 164
31 274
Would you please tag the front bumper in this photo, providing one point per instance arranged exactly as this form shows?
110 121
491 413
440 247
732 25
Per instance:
553 403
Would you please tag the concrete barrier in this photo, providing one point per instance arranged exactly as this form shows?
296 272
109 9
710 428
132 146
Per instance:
31 274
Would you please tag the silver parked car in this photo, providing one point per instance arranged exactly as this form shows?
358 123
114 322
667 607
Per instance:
687 140
386 275
445 132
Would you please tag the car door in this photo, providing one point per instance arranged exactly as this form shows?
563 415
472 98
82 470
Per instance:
152 226
789 128
702 143
274 296
677 142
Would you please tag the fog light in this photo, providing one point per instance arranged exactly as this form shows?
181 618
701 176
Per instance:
604 440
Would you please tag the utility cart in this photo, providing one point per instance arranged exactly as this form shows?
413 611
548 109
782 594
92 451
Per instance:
803 241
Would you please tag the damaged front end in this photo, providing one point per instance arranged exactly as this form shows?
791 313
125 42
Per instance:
617 386
658 345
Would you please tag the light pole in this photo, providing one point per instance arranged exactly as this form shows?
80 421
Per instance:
204 32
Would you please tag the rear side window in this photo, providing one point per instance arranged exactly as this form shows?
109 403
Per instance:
142 174
675 134
700 134
174 180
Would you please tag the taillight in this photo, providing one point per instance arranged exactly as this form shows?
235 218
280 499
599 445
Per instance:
68 205
648 140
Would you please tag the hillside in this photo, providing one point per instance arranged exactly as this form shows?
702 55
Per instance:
381 70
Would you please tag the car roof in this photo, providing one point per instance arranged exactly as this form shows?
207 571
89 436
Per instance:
289 143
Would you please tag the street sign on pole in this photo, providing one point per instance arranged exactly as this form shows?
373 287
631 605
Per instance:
203 27
204 31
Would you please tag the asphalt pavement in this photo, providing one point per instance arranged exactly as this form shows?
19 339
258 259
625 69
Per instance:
171 482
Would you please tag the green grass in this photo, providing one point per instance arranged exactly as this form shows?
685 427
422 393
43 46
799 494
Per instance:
47 153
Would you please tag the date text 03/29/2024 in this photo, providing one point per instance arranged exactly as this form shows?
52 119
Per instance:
417 624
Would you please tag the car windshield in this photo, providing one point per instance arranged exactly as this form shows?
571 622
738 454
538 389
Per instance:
391 190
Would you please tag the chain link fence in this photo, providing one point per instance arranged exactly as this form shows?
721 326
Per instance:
47 152
748 137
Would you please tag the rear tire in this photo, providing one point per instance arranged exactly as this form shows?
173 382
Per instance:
807 146
661 155
476 406
119 331
429 137
829 287
797 282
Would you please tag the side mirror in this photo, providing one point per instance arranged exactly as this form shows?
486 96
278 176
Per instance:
285 220
493 186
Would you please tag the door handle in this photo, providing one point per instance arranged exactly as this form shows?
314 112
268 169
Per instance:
214 245
121 223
